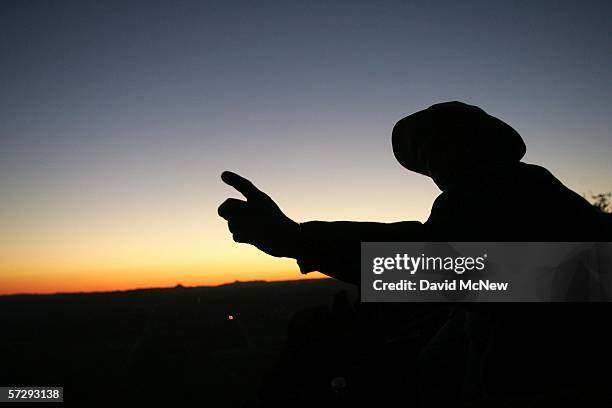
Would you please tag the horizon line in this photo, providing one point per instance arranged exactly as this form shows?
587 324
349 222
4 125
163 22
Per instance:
177 286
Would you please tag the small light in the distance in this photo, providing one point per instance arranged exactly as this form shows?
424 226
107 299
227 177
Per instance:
230 317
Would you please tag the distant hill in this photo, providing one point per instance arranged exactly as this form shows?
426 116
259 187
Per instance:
253 283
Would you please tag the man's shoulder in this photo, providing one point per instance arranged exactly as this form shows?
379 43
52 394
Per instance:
536 171
510 186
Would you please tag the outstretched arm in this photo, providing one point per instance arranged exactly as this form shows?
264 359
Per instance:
332 248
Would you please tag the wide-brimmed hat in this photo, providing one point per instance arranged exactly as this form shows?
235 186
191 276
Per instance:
458 127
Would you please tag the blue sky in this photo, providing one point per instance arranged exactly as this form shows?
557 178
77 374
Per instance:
118 117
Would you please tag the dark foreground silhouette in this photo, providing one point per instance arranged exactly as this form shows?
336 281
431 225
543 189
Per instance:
139 348
477 352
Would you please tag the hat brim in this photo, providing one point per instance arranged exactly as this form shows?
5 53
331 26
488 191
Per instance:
416 137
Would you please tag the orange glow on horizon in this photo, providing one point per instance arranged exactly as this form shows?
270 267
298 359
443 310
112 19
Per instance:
134 248
118 281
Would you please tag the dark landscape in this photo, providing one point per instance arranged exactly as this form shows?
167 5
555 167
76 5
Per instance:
246 344
196 344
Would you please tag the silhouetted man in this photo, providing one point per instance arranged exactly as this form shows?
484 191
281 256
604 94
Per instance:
488 194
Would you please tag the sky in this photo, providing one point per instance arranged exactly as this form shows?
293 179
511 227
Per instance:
118 117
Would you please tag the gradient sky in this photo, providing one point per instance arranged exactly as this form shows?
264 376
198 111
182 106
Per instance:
117 118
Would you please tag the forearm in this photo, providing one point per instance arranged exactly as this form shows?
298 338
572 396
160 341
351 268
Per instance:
334 248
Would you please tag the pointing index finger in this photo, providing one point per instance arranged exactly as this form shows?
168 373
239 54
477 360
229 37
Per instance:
244 186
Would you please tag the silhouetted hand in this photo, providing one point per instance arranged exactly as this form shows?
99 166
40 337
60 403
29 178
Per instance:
258 220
